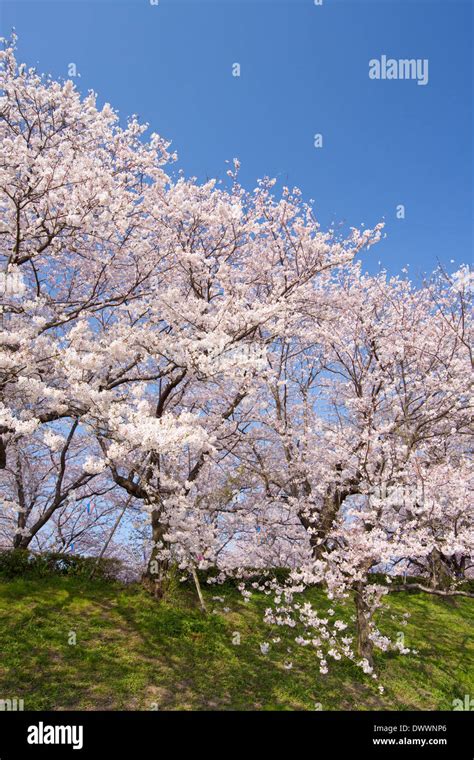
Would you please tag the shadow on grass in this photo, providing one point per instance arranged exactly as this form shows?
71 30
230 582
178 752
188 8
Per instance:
67 643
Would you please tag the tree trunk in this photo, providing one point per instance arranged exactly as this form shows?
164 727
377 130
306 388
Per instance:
3 454
363 614
322 524
20 541
440 575
155 578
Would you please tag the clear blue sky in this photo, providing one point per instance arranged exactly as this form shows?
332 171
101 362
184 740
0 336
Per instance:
304 70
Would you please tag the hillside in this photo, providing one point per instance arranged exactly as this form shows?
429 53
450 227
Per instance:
135 654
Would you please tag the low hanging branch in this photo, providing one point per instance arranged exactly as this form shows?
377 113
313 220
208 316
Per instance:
438 592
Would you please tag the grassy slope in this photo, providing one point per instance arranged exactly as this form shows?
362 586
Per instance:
132 652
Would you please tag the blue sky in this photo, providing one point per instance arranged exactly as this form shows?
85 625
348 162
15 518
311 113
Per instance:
304 70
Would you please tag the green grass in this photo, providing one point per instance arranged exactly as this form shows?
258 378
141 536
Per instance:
133 653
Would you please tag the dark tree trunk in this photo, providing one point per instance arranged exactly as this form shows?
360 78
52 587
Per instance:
320 525
156 577
3 454
3 448
363 614
21 542
440 574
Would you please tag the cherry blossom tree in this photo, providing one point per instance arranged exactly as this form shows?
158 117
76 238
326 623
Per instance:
367 437
144 302
216 373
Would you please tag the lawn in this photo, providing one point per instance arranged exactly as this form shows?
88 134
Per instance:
133 653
